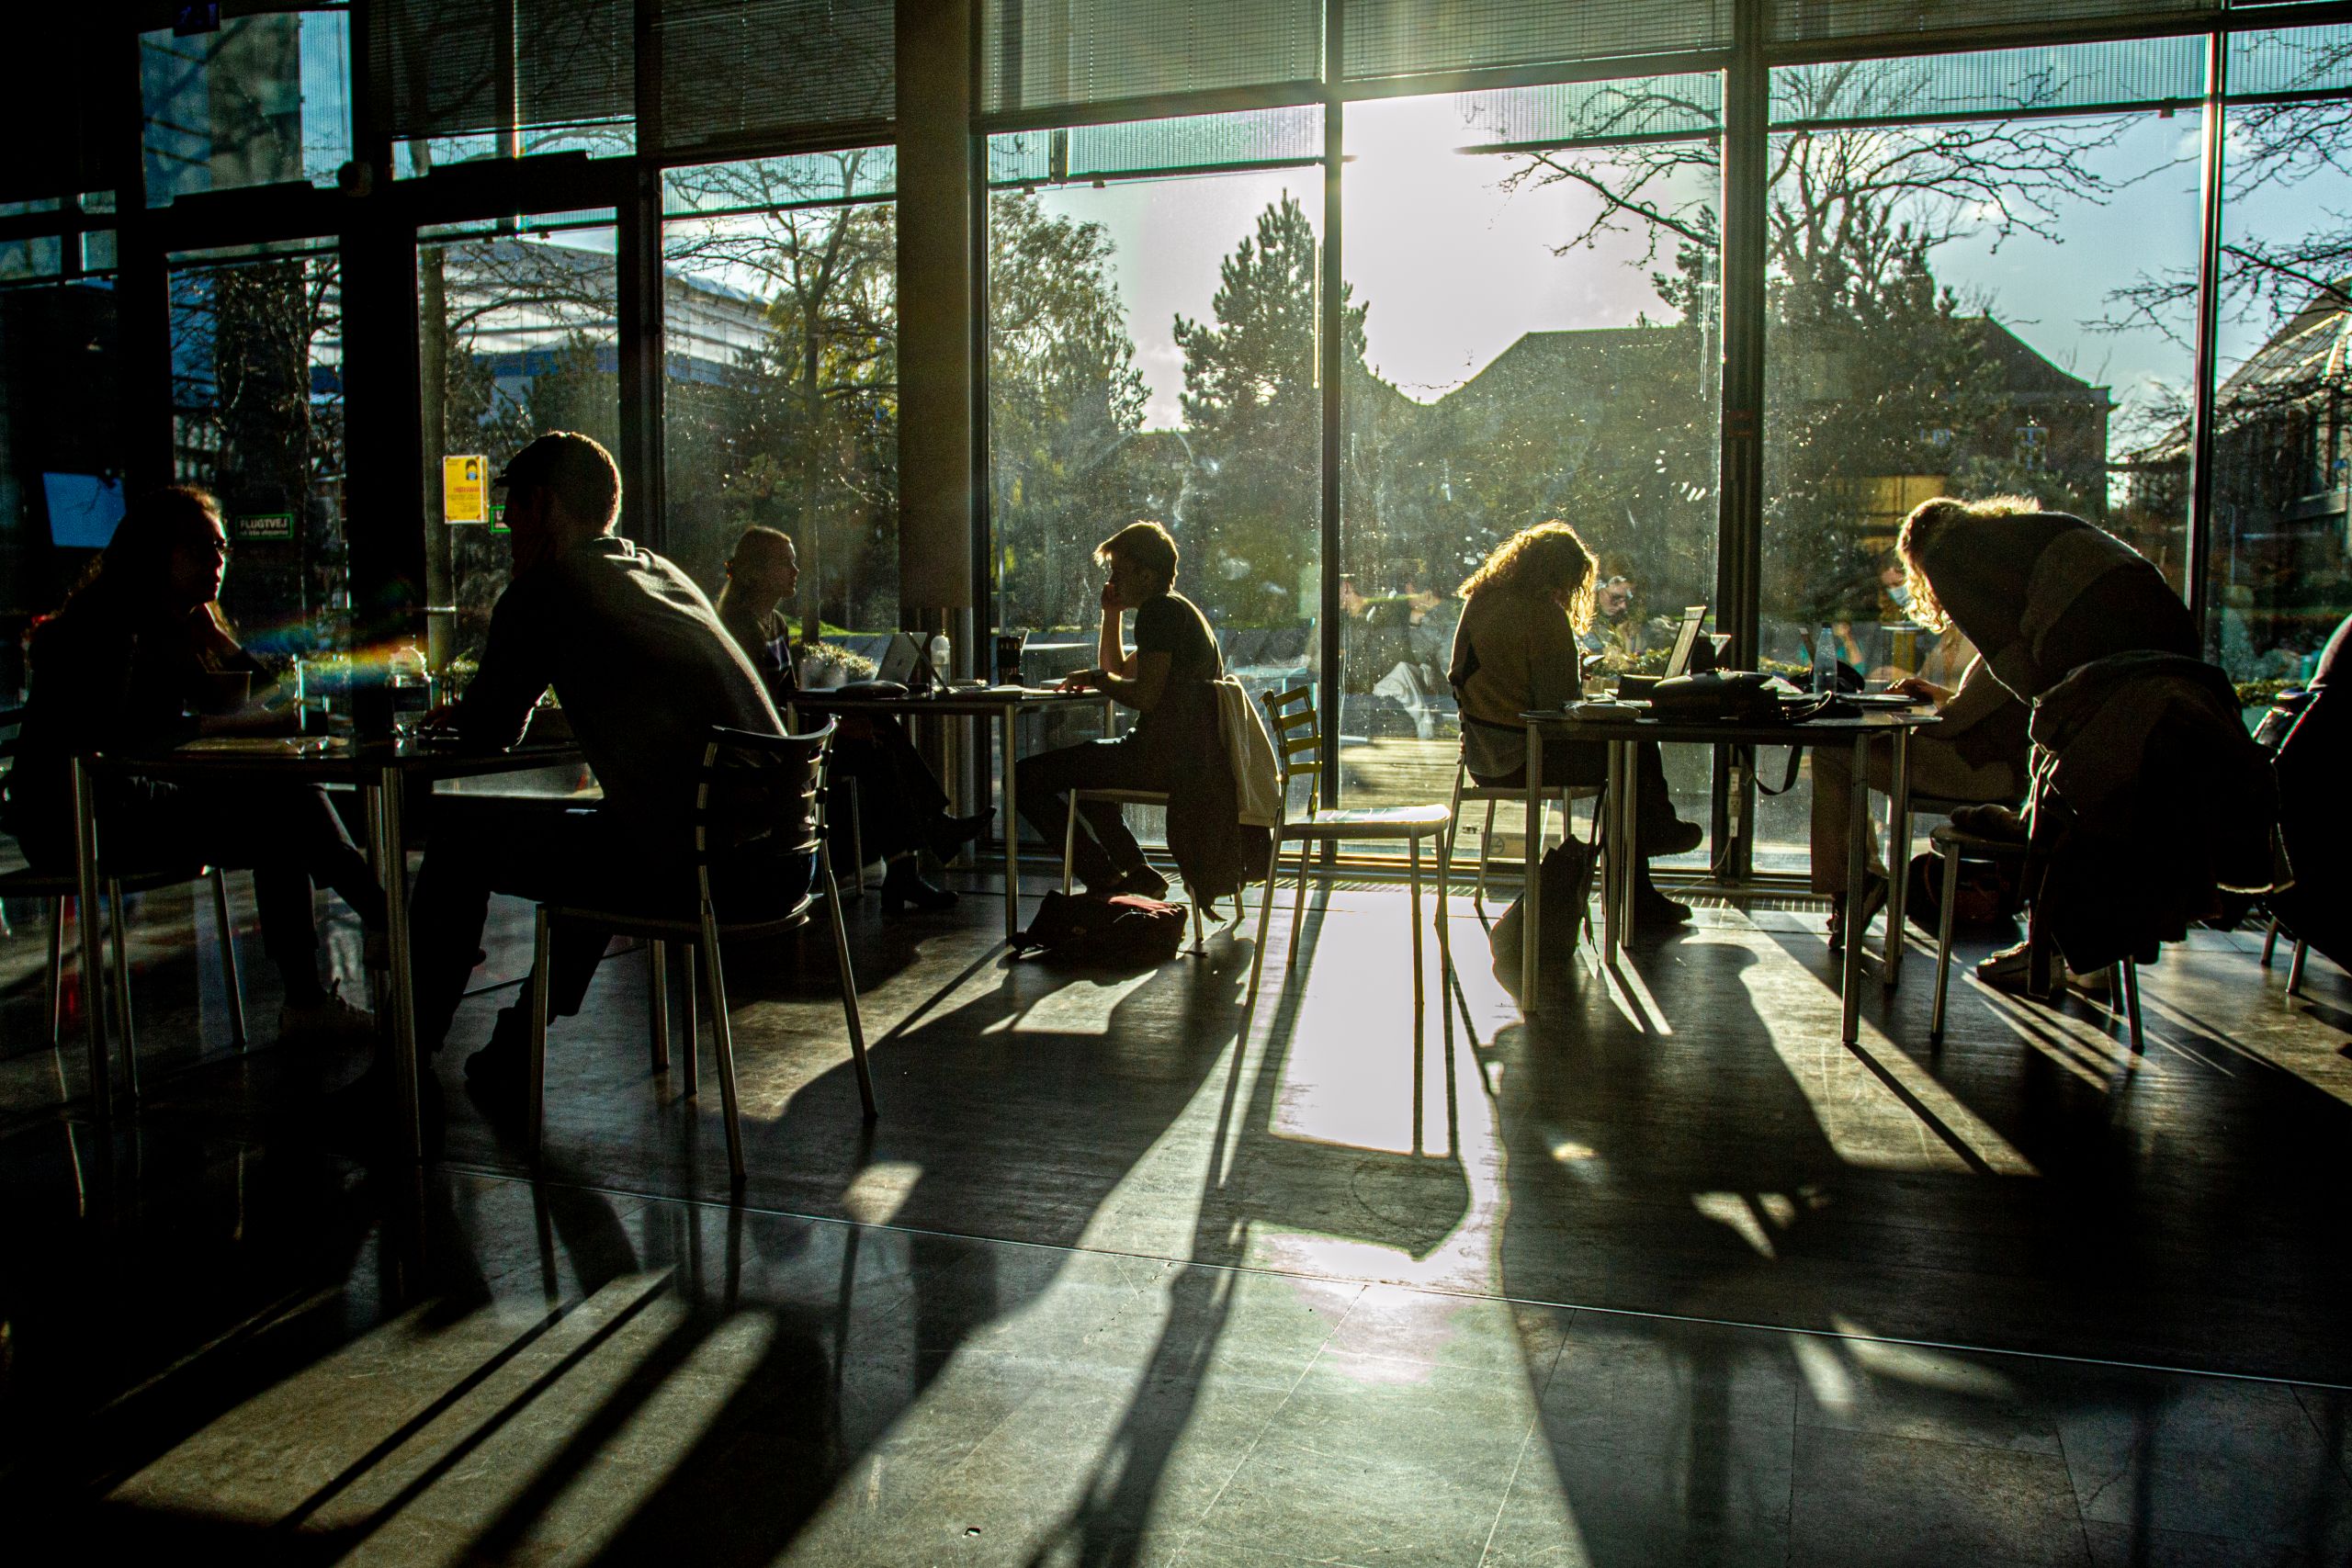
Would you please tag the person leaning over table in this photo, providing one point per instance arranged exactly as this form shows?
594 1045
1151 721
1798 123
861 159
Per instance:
138 661
1517 651
902 808
1167 680
644 669
1975 753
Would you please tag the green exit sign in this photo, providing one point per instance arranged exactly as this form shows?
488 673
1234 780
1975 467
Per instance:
267 526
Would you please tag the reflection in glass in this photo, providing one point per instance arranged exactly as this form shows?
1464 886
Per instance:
782 410
261 100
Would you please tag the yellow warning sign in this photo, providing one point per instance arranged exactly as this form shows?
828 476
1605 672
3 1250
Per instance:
464 490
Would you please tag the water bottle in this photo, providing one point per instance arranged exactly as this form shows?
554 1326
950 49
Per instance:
411 692
940 652
1824 661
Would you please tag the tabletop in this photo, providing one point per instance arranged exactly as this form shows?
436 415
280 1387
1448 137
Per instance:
332 759
1713 731
969 700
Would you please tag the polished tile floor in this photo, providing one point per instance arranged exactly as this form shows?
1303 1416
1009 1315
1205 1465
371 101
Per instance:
1666 1277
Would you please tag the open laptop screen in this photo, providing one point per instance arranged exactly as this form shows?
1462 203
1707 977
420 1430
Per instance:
1693 617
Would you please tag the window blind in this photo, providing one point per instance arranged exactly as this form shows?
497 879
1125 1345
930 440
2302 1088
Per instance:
1187 144
1395 38
737 68
1796 21
2127 74
2295 59
1056 53
435 65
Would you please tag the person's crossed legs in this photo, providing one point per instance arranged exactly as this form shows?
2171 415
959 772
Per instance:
1110 851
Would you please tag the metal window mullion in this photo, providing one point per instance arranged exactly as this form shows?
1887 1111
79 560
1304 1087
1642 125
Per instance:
1739 519
2198 546
1331 327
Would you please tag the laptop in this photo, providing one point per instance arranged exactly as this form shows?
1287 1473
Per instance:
901 661
1686 639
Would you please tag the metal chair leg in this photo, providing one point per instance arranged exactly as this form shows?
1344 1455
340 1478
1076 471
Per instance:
1943 941
56 992
116 918
1485 837
850 1014
534 1082
232 979
1413 848
1069 839
1298 914
2294 968
722 1041
657 982
2271 942
1444 941
857 839
689 1007
1265 923
2129 974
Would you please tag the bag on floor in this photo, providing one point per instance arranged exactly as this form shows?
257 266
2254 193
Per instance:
1989 897
1568 892
1089 930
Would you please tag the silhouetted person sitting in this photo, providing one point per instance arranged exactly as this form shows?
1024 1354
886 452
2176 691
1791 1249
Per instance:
1167 680
1517 649
902 808
644 669
136 661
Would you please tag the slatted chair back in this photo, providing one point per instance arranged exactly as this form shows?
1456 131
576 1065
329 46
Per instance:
759 821
1298 742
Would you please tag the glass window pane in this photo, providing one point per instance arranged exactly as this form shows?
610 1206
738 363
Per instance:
782 403
264 99
1152 355
60 450
257 419
519 336
2280 567
1530 352
1950 314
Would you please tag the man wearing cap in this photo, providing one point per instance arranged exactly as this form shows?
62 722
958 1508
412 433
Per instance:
644 669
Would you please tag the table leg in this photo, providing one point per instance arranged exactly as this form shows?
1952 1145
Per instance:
1857 828
1629 803
1898 852
1012 828
1529 977
86 867
391 862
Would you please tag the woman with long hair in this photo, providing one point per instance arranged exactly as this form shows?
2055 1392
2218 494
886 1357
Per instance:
138 661
1518 648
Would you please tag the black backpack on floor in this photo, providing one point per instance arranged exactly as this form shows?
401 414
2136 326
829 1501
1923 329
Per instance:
1089 930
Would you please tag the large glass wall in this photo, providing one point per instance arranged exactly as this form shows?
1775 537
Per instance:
780 307
1947 255
257 419
1153 354
518 336
1532 277
2279 567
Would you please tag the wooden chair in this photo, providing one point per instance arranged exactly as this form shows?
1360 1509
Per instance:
1953 845
1299 747
760 867
1124 797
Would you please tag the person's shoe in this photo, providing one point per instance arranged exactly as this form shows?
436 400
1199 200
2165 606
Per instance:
1873 899
1654 910
326 1016
2008 970
1672 837
949 834
903 888
1143 882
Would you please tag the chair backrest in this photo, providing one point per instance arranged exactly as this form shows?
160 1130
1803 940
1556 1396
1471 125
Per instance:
1298 741
760 812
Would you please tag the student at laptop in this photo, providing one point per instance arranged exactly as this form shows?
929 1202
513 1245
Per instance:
901 807
1516 649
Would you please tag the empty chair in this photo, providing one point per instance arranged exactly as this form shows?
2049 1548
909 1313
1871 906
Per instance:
759 865
1298 746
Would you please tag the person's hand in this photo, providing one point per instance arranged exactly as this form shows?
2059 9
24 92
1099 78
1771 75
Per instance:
1920 689
1082 680
1109 597
440 719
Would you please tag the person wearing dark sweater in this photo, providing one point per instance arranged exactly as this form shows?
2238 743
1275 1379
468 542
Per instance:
644 669
138 661
901 808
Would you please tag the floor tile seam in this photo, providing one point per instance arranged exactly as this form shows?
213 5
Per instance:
1258 1438
1954 1346
1510 1483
